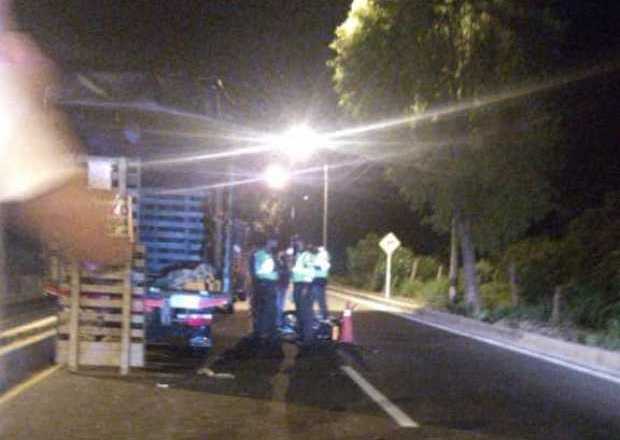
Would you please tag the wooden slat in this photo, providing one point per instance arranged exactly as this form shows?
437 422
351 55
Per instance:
137 305
102 288
116 289
101 353
126 323
116 275
93 316
131 221
138 262
91 330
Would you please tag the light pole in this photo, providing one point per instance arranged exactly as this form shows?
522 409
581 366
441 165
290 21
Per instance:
219 196
325 202
229 223
299 143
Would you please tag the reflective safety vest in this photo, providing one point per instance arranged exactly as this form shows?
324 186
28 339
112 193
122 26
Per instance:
303 270
264 266
321 263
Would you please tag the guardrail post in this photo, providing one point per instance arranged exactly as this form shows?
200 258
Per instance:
74 318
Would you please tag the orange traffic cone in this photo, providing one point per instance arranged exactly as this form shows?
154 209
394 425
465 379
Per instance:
346 325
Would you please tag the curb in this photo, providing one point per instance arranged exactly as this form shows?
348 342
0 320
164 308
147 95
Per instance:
598 362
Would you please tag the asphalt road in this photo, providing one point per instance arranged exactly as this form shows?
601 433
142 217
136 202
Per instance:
452 387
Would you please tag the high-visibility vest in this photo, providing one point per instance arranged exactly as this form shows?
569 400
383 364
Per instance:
322 264
303 270
264 266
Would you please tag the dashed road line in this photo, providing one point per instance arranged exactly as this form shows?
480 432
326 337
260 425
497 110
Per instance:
523 351
403 420
395 311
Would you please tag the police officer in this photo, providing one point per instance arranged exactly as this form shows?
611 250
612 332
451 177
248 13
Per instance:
283 266
319 283
265 278
302 276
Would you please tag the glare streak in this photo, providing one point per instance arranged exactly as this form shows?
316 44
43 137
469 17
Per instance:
334 139
200 135
235 183
148 106
472 103
210 156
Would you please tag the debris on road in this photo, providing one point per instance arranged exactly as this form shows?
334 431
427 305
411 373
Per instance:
163 385
210 373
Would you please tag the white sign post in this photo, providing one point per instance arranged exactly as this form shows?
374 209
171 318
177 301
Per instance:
389 244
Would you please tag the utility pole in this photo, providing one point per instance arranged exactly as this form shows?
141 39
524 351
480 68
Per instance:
454 261
226 272
325 202
224 220
219 197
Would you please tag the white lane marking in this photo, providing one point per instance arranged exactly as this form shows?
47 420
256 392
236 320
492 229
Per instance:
391 301
553 360
403 420
524 351
369 303
15 391
27 341
45 322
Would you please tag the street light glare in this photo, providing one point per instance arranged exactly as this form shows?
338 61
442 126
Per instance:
276 176
300 142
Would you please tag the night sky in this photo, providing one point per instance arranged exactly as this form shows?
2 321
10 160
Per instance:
272 53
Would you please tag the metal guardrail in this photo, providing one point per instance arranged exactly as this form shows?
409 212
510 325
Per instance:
25 350
27 334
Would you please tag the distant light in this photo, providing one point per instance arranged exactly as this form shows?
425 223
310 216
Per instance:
306 197
276 176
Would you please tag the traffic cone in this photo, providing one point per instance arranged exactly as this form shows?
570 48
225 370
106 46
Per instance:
346 325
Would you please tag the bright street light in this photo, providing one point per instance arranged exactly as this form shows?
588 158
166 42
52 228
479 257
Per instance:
299 142
276 176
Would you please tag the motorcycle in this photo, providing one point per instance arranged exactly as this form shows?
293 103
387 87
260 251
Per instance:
291 327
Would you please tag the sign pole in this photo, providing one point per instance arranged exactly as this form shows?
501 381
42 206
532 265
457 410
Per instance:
388 276
389 244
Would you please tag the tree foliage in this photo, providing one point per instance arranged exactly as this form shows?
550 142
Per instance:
426 56
363 258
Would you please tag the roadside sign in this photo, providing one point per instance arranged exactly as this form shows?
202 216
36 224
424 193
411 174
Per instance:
389 244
